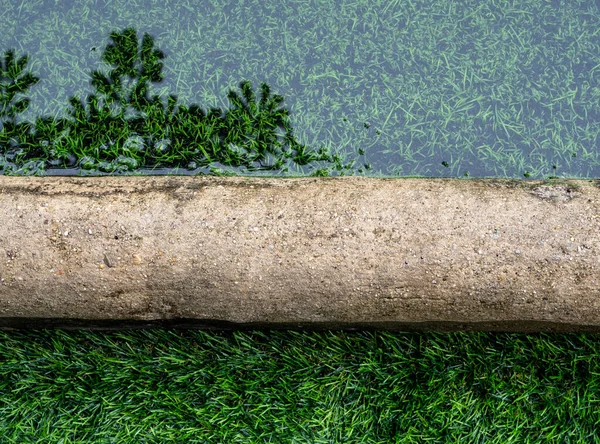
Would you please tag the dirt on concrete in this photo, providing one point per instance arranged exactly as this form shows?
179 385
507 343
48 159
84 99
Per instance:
351 252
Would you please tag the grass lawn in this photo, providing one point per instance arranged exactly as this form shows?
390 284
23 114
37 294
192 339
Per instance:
322 387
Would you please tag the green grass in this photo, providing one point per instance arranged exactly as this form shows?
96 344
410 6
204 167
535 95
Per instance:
95 136
321 387
122 129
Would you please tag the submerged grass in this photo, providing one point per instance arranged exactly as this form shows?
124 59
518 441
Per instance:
322 387
121 129
518 79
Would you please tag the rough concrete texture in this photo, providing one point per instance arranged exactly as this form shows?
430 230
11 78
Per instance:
209 252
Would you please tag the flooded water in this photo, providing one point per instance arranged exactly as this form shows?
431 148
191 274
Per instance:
493 88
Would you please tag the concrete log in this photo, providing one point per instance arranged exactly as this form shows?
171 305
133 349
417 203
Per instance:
210 252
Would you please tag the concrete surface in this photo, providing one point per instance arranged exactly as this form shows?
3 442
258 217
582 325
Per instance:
210 252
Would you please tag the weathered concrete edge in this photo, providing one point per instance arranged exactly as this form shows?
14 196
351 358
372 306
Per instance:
310 253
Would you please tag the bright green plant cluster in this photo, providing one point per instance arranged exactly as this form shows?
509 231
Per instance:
121 128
